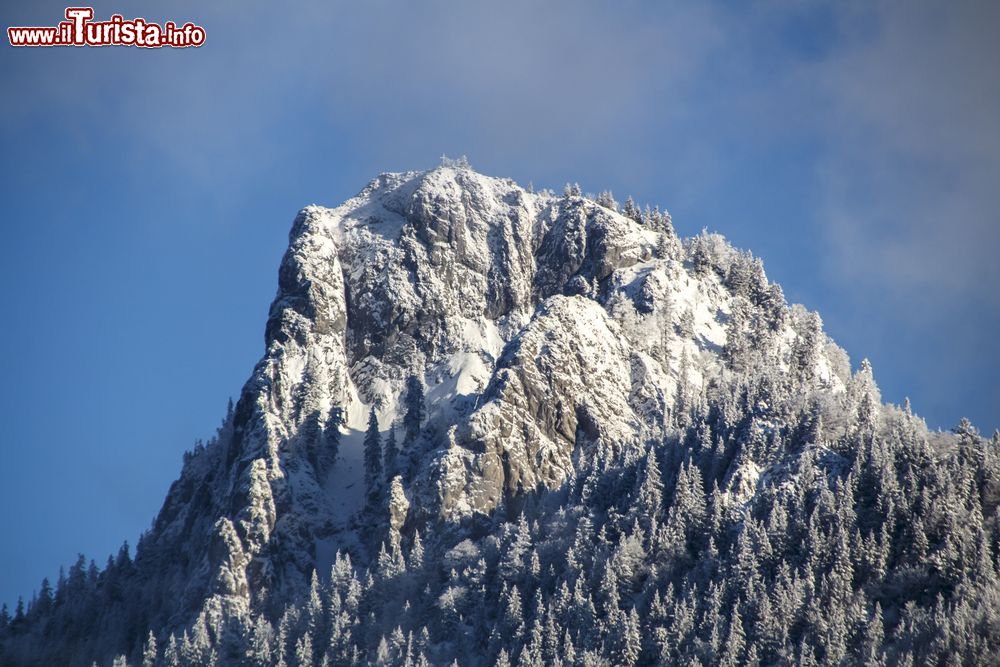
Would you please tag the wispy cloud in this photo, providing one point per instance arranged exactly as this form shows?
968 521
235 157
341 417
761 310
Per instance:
912 170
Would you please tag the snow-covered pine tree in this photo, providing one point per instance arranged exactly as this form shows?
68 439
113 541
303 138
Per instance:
373 456
391 452
413 418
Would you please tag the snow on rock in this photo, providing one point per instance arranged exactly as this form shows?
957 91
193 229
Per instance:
567 374
539 325
345 486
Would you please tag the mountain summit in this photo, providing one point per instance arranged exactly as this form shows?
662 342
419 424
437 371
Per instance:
498 426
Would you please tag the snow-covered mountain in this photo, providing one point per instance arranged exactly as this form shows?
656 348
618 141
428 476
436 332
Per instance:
558 371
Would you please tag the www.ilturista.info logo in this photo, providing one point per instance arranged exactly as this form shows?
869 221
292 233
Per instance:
80 30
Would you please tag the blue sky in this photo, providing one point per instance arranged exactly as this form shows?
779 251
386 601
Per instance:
146 196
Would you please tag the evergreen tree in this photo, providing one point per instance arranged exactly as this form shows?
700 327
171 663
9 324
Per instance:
732 649
607 200
413 419
331 437
304 651
391 452
647 509
630 210
373 455
416 559
631 639
172 655
149 654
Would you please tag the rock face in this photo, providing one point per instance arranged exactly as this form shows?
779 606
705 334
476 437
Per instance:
566 378
542 327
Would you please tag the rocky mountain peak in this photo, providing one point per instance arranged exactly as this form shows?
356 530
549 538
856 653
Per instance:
448 351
